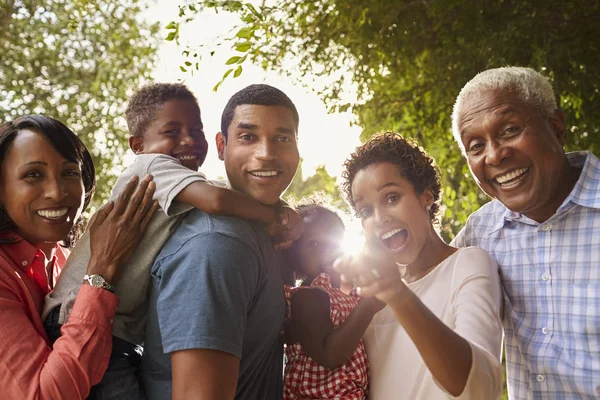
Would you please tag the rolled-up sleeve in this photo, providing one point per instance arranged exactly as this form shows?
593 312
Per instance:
32 370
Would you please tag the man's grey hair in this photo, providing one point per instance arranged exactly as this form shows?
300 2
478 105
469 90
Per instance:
527 83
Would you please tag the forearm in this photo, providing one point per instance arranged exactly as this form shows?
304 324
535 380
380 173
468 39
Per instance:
342 341
221 201
77 360
446 354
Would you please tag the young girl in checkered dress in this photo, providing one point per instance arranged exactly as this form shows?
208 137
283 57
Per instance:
325 356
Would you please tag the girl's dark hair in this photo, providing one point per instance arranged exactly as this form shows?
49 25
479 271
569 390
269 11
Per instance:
414 163
317 203
67 144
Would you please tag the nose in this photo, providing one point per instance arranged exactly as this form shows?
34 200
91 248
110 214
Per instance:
381 217
55 189
265 151
496 152
187 139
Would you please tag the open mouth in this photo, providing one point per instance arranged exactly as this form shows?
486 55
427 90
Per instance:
56 214
395 240
512 178
265 173
187 157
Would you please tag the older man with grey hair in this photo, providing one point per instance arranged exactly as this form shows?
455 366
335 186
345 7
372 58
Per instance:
542 227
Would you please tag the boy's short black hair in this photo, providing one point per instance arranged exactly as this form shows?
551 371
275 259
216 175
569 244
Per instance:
414 163
144 104
258 94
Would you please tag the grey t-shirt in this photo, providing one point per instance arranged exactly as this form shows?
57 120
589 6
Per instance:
217 284
171 177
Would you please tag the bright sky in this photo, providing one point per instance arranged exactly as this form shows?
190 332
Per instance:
324 139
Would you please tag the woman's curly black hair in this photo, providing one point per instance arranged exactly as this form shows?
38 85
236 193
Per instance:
415 165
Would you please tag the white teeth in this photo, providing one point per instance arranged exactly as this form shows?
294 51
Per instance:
186 158
390 234
264 173
53 214
511 175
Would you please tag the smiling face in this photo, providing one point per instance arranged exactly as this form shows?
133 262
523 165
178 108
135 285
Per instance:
40 190
260 151
177 131
319 246
394 217
514 153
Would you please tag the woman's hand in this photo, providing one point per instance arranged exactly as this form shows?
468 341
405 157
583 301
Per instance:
373 272
117 228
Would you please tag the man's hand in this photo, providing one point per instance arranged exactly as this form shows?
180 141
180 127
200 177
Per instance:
288 229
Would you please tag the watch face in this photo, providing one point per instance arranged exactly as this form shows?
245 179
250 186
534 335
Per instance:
97 280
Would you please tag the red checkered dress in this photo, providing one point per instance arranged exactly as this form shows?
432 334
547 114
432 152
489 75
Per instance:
304 378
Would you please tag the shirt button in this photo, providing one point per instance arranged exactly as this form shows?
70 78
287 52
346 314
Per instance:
540 378
546 227
545 277
24 263
545 330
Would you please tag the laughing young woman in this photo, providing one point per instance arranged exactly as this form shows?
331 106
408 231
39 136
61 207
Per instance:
46 180
440 335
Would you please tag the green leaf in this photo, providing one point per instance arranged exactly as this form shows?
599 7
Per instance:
238 71
227 73
233 60
243 46
172 25
182 68
187 63
171 36
245 33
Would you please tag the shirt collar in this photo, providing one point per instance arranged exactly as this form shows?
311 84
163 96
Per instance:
587 189
23 253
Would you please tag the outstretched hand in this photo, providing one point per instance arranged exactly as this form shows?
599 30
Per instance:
117 228
373 272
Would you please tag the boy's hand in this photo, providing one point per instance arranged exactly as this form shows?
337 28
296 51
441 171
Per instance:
288 229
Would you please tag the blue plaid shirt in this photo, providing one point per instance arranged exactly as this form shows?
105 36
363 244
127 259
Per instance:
550 275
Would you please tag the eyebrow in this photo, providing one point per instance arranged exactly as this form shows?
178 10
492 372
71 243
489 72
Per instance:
503 113
46 164
177 123
379 189
286 131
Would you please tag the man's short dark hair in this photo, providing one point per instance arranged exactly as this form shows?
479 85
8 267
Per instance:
258 94
144 105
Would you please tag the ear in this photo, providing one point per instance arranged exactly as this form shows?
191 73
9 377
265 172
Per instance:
221 141
557 120
426 198
136 144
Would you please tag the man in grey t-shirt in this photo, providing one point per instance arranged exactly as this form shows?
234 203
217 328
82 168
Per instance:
217 304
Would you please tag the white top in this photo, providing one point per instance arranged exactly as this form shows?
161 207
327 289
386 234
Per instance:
464 293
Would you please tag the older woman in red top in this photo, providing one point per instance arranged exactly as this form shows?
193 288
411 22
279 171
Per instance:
46 179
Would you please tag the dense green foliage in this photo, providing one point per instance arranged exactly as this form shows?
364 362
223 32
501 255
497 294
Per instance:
409 59
77 61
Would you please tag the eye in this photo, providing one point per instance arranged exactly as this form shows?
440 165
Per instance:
172 132
73 173
32 175
364 213
392 198
247 137
284 139
512 130
312 244
475 147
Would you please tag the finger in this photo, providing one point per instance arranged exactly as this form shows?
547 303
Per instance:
146 220
145 205
123 199
137 198
283 216
100 216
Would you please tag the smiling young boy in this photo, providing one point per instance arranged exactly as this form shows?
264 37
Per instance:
168 139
